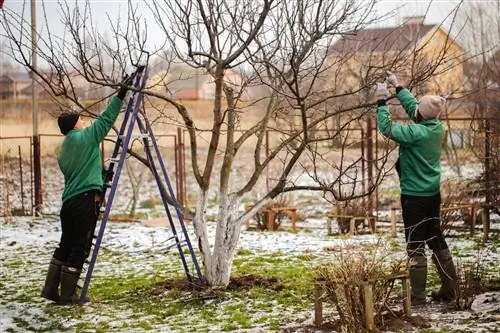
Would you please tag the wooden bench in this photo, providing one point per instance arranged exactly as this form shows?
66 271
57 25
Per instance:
271 225
367 287
367 220
272 212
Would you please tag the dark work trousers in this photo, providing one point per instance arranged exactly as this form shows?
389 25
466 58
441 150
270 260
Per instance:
422 224
78 220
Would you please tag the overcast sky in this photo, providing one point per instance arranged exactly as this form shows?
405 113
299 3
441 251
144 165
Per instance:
436 12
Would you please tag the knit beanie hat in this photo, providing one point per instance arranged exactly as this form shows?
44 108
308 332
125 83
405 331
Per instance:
430 106
67 121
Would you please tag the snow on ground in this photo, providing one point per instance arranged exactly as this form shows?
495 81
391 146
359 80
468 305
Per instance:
30 242
26 245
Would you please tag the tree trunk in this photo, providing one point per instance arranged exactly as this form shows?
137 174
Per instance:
218 261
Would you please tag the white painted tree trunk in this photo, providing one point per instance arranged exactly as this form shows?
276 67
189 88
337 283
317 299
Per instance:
218 261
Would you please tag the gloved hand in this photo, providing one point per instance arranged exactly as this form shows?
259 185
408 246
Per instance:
126 82
382 91
392 79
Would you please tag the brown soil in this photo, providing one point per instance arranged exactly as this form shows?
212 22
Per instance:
236 283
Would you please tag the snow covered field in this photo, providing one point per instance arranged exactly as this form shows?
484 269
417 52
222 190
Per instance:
133 253
136 259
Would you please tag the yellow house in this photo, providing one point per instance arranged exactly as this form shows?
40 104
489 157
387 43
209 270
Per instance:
416 52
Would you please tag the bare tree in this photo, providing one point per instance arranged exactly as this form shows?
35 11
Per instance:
482 98
283 46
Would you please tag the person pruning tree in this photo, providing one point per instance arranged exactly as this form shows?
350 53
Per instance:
419 170
80 162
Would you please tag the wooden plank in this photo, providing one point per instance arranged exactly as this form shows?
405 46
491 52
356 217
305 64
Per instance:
457 207
406 296
294 220
473 222
318 304
486 224
368 305
352 226
270 220
394 231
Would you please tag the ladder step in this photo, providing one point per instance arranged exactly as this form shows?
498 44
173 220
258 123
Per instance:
114 159
136 136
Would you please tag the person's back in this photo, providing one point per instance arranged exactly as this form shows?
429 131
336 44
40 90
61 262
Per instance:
79 157
419 169
81 164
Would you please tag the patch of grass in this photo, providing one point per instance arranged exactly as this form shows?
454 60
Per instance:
246 200
243 252
151 203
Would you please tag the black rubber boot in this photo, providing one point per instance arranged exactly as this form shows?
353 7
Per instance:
448 275
418 279
69 280
51 288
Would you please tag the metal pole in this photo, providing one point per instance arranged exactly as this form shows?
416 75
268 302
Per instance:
21 177
34 109
487 169
180 197
177 169
369 162
267 155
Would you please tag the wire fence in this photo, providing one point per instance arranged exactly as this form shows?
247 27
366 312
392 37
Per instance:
464 143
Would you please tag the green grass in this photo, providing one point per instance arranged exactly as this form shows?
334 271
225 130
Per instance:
123 297
151 203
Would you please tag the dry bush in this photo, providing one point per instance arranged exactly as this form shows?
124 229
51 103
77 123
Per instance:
470 283
347 209
343 284
453 194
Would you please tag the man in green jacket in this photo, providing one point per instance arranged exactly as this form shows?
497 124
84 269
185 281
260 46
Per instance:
419 170
79 160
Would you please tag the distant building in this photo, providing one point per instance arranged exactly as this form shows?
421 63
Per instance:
13 85
186 83
410 50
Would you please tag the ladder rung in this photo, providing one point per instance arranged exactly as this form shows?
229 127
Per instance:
136 136
114 159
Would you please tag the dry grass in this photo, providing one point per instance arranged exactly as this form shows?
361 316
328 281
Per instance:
470 283
344 278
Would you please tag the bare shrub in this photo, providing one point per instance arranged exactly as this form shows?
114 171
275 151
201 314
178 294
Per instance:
470 282
350 209
344 278
453 194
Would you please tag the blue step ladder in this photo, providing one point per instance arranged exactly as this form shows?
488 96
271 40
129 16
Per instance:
135 114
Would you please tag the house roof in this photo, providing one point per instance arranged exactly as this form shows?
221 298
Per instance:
399 38
17 77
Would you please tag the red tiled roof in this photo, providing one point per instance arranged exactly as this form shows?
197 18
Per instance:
399 38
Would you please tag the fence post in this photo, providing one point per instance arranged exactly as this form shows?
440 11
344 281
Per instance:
486 223
6 188
21 178
318 303
368 302
473 221
38 175
394 231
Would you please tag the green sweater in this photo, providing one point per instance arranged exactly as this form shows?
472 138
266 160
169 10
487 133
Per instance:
419 147
80 156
